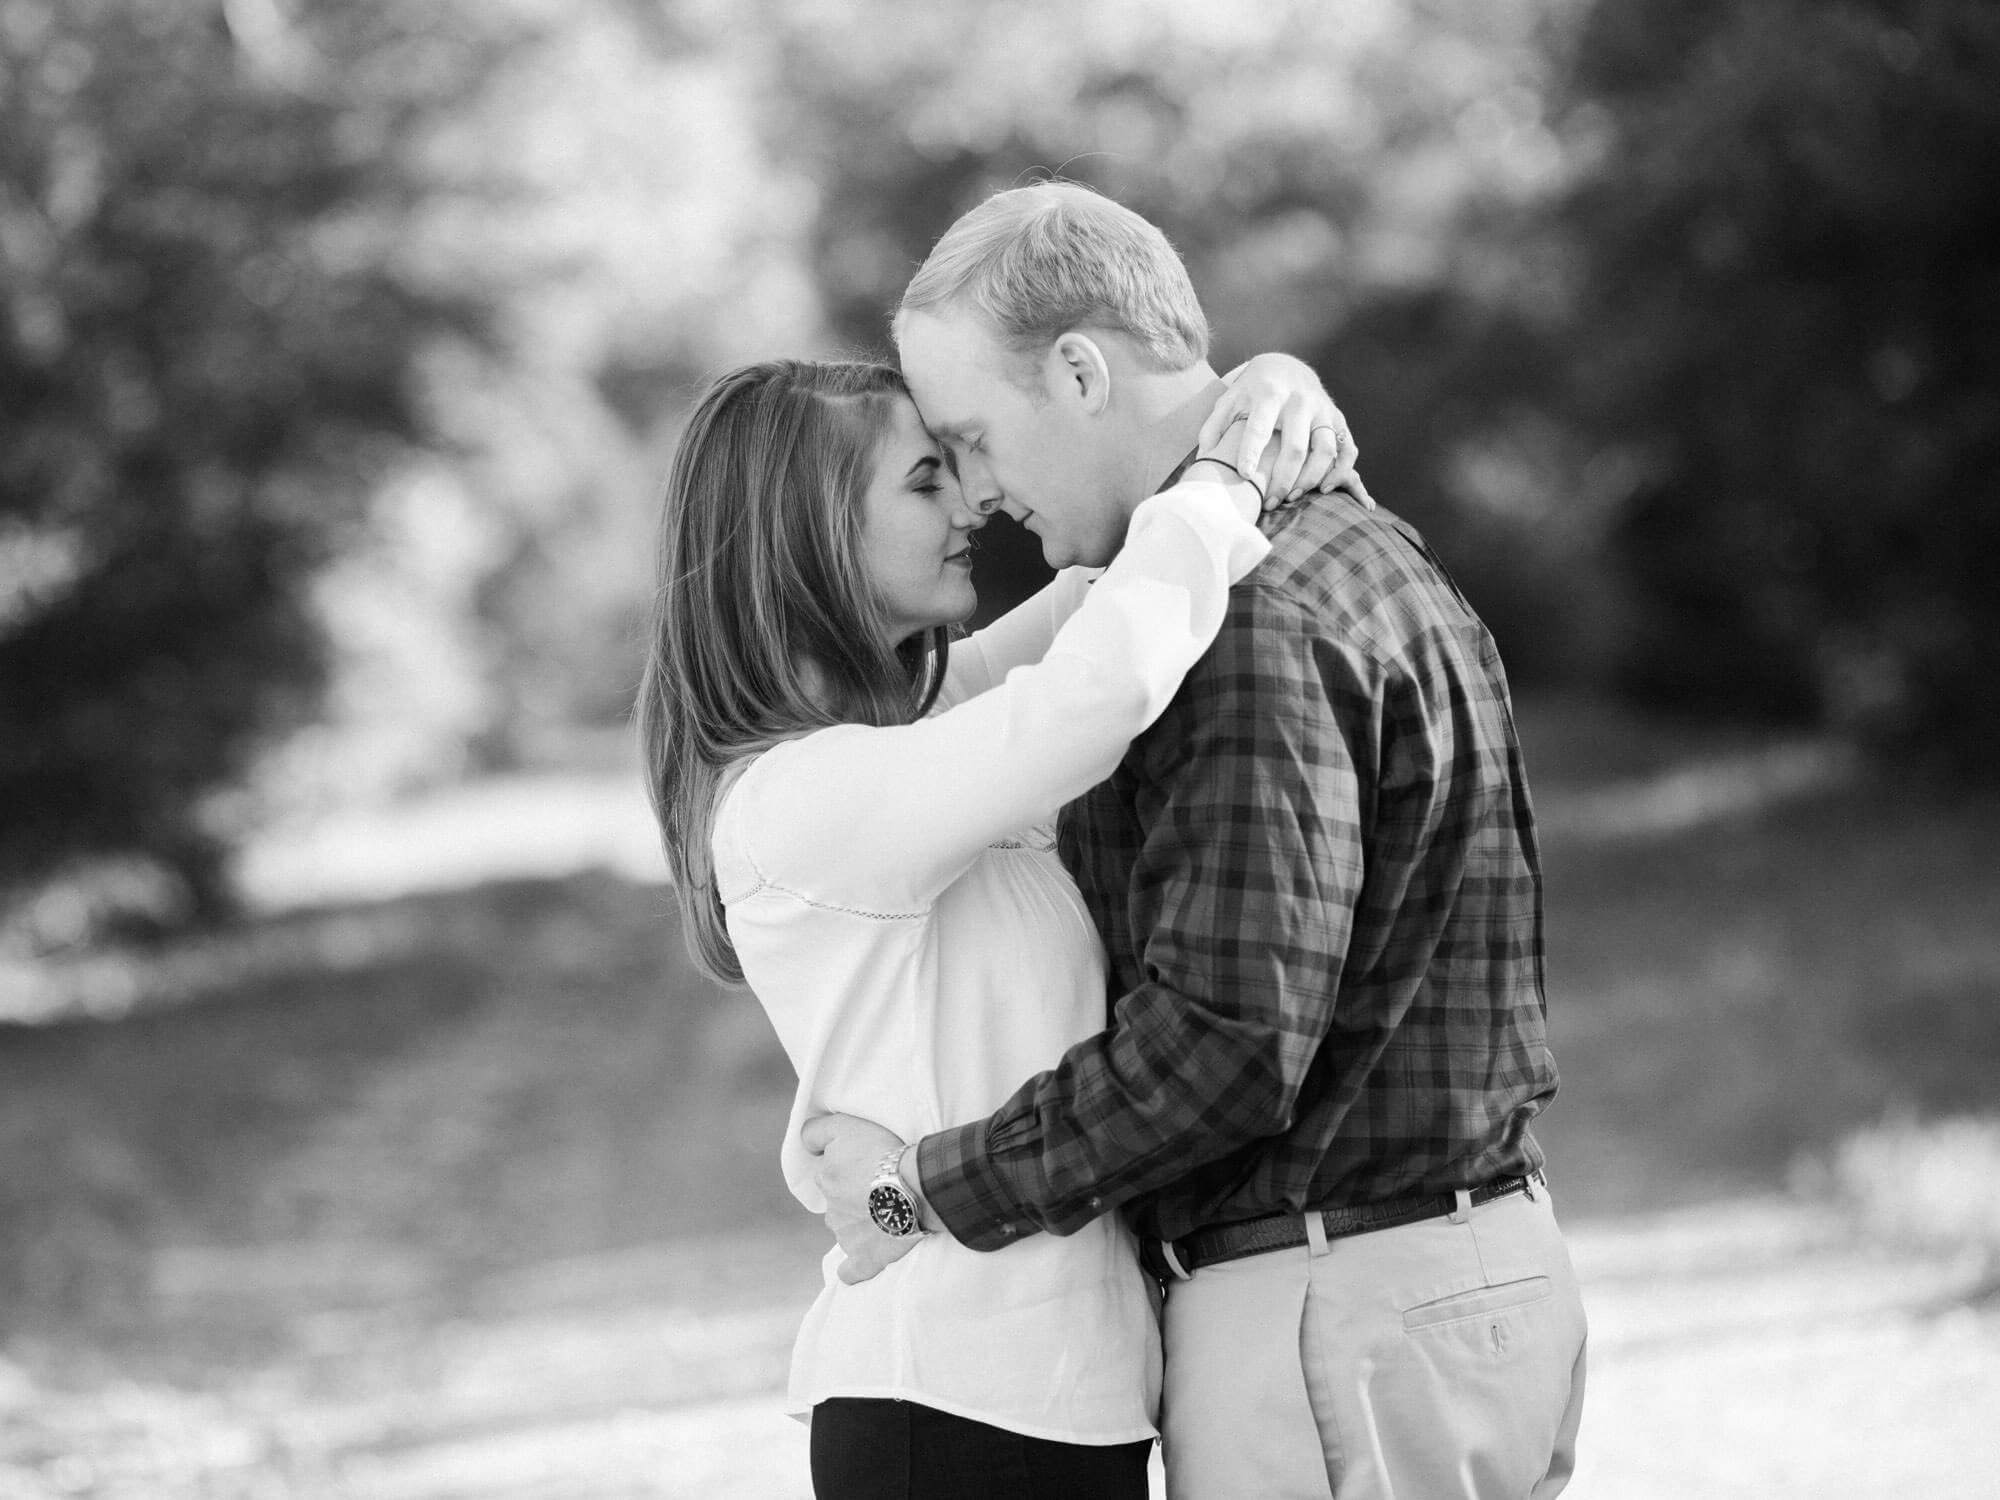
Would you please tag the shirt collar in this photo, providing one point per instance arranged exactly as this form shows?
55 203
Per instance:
1179 469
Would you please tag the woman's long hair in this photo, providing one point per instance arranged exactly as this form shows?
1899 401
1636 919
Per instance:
764 624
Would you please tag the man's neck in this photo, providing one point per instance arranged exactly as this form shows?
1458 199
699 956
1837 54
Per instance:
1168 414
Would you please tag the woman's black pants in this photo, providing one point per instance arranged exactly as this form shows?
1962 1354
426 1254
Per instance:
898 1450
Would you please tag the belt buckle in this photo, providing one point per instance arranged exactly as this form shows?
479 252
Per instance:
1172 1260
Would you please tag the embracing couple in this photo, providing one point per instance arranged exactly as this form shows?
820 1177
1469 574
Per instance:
1161 964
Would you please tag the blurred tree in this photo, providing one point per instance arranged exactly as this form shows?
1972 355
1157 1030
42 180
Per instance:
1789 326
207 351
1354 183
653 241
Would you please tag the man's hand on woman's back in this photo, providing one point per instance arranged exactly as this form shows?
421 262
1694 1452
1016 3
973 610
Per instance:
847 1152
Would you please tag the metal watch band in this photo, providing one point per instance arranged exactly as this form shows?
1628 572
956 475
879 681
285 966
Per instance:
891 1204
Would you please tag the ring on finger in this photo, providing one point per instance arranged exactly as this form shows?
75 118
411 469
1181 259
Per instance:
1323 427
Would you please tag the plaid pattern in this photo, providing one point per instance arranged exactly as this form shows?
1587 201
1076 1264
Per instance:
1318 882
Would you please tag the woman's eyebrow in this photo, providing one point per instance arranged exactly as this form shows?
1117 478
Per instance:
928 461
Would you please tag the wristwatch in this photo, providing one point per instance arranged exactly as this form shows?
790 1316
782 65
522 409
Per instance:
891 1204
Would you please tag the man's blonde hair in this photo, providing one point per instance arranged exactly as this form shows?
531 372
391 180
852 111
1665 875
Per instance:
1039 260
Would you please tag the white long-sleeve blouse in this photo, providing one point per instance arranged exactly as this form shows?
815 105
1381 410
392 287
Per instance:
894 897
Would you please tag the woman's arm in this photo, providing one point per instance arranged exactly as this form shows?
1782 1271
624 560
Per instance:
1277 396
981 661
881 820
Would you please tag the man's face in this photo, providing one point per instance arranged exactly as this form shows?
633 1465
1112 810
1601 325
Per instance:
1017 435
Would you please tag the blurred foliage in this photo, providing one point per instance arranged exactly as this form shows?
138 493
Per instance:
1672 325
1351 182
206 350
343 344
334 354
1788 319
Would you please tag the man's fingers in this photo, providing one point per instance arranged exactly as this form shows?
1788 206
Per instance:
866 1260
821 1132
857 1269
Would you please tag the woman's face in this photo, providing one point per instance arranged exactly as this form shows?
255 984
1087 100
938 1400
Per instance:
916 531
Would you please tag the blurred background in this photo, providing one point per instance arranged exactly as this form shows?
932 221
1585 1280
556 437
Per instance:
363 1129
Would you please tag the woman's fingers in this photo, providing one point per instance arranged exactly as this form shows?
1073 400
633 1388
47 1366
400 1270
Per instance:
1285 456
1333 459
1226 413
1251 439
1277 426
1345 474
1321 460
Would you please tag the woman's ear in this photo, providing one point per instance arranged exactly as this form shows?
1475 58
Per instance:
1081 372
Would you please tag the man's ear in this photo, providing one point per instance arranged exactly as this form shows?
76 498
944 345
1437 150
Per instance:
1080 372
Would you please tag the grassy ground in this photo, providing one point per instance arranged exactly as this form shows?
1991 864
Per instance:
1733 994
434 1195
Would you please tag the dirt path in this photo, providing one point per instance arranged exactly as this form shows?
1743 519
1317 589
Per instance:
491 1076
1758 1350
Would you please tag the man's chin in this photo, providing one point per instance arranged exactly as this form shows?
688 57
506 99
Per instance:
1065 555
1055 550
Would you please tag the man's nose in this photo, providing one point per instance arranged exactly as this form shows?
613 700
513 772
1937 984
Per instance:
982 496
972 514
975 478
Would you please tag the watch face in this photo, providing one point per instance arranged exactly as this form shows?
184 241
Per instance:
893 1212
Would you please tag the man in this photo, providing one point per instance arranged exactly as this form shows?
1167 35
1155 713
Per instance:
1317 880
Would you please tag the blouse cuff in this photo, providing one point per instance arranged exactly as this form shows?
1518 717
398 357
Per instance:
1205 507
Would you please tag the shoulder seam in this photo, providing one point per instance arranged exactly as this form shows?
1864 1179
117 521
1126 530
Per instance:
1283 593
766 883
853 911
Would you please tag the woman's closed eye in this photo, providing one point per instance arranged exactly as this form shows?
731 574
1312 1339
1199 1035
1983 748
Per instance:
923 476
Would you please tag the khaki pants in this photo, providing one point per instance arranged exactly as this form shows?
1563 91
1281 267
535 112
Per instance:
1439 1359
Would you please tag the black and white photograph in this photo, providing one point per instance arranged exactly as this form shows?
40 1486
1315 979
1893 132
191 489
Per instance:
999 749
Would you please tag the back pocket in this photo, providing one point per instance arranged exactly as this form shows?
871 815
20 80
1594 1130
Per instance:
1477 1303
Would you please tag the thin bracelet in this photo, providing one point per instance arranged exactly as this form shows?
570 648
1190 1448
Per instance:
1226 464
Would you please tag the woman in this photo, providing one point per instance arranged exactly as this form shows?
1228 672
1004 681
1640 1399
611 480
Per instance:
858 812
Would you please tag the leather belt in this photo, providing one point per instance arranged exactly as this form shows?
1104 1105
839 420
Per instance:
1177 1260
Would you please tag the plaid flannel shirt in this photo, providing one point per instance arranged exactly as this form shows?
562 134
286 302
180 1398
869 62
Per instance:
1317 879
